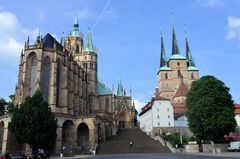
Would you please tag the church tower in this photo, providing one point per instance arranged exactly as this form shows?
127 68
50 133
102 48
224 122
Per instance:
176 75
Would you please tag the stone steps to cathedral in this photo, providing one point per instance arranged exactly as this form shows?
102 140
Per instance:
142 143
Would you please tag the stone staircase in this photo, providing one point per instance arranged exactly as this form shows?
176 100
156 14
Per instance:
120 143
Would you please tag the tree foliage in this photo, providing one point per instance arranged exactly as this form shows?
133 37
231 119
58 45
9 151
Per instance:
210 109
34 123
2 104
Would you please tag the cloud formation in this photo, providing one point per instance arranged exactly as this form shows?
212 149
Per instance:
12 35
209 3
233 28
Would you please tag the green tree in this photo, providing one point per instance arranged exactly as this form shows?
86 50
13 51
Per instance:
2 105
34 123
135 118
210 110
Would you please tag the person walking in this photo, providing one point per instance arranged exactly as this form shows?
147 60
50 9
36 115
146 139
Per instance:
131 144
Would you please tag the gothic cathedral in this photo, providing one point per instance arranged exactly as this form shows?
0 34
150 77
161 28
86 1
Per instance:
66 73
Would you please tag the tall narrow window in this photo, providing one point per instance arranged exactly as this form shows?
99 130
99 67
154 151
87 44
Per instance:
192 76
179 74
166 76
33 74
77 48
58 81
45 77
107 103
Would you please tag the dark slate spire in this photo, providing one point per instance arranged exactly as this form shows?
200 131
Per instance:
163 60
63 39
175 49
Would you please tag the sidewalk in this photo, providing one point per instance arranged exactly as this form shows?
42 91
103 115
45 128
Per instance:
76 156
223 154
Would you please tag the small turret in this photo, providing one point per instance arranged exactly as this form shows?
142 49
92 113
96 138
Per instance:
63 40
75 32
120 91
89 44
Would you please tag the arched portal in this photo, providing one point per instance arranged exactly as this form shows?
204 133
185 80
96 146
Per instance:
1 134
68 134
83 136
123 120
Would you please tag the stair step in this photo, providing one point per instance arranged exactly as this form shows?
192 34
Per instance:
142 143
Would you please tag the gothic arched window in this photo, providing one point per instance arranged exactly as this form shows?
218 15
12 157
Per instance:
33 74
166 76
45 77
179 74
192 76
58 81
77 48
107 103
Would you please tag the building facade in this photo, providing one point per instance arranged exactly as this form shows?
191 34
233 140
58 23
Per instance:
158 113
66 73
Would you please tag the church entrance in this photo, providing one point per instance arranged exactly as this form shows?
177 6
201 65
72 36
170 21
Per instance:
83 137
68 135
121 124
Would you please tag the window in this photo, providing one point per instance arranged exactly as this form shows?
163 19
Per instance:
168 116
168 109
178 64
91 57
179 74
58 81
91 65
157 109
169 124
85 57
158 124
85 65
192 76
166 76
158 116
45 77
77 48
33 74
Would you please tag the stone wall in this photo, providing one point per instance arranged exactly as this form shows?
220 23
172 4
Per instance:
206 148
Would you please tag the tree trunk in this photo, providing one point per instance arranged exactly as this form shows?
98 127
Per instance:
200 146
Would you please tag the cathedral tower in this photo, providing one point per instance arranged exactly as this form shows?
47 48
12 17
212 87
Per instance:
176 75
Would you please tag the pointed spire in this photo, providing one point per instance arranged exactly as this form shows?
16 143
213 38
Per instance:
163 60
188 52
175 49
89 43
120 89
75 32
63 39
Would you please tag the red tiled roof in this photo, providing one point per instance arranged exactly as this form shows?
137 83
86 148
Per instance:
237 108
182 90
179 108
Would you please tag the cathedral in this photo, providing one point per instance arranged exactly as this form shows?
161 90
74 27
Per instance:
176 74
66 72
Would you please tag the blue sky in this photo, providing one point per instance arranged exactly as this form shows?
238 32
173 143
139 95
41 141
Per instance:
127 35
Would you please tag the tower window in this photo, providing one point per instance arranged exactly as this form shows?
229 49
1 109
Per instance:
91 57
178 64
91 65
158 116
192 76
85 57
179 74
158 124
77 48
166 76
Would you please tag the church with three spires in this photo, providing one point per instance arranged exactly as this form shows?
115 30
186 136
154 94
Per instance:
66 73
175 76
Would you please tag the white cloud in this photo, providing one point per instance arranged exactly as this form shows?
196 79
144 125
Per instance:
233 27
138 105
12 35
208 3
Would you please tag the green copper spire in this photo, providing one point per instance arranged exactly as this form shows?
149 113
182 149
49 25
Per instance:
75 32
120 91
188 52
163 60
63 39
175 49
89 43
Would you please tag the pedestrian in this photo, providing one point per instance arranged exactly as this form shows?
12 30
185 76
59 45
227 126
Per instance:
131 144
